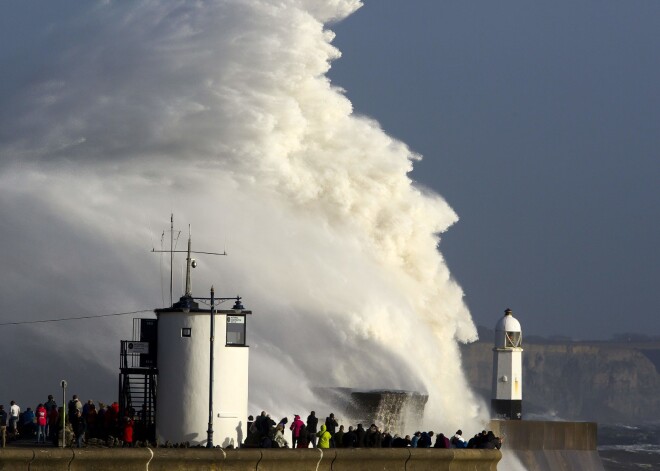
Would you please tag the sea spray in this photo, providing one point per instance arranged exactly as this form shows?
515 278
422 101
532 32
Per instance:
221 112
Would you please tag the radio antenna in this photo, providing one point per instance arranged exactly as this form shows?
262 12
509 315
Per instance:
190 262
171 255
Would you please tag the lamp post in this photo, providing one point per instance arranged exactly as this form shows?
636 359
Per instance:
64 385
209 441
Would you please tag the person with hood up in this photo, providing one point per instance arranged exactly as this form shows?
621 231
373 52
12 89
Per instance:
324 437
295 428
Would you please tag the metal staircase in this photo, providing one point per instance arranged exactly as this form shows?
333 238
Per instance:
138 379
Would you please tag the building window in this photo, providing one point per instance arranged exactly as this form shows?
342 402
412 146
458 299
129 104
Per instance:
236 330
186 331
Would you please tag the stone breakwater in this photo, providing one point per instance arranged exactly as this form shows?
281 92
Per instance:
169 459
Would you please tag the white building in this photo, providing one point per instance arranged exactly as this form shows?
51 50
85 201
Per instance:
201 355
184 372
506 399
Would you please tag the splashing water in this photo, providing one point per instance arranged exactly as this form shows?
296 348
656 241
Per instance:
222 113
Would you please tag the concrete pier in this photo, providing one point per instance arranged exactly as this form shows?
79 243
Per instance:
540 446
203 459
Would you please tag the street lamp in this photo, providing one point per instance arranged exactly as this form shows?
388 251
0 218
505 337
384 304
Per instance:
209 438
64 385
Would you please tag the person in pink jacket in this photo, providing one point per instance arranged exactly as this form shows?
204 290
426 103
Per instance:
295 430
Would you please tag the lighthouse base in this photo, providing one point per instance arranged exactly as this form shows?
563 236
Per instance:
506 409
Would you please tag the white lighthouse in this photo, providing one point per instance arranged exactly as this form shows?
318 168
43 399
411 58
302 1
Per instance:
506 402
202 355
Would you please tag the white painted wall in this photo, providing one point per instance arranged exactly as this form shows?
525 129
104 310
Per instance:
183 381
507 364
230 389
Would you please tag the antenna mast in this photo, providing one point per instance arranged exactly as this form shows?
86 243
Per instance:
172 255
190 263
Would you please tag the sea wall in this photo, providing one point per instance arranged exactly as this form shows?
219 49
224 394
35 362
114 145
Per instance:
551 446
202 459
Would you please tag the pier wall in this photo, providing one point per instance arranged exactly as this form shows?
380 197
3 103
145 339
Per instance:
551 446
202 459
540 446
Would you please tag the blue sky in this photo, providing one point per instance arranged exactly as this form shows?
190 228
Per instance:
539 123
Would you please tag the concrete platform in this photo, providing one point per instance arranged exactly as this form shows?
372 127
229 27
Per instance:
551 446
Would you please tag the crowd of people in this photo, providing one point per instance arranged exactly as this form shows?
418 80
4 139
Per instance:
87 421
264 432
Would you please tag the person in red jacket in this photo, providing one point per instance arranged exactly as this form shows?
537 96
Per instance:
42 420
128 431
